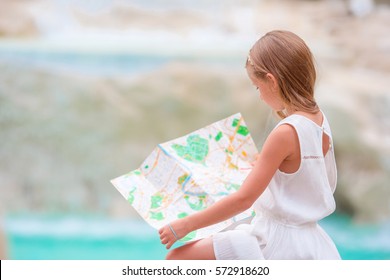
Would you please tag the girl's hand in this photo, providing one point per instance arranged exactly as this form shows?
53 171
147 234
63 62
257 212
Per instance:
167 235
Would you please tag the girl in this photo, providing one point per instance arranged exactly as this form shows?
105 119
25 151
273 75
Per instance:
292 182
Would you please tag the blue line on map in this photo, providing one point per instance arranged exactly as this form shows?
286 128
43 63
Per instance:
185 168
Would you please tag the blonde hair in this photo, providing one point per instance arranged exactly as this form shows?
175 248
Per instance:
290 61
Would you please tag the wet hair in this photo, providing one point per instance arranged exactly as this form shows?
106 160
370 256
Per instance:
287 57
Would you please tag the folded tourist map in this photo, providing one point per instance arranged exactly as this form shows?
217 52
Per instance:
190 173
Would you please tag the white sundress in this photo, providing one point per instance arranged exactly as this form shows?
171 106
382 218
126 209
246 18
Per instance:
285 225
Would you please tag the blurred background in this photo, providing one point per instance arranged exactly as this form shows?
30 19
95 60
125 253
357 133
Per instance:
89 87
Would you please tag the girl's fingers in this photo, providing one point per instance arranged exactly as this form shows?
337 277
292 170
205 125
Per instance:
169 245
165 239
162 232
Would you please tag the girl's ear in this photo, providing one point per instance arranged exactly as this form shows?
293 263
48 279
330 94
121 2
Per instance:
272 81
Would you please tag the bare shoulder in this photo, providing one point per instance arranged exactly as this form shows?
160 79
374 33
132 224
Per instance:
284 133
281 141
279 146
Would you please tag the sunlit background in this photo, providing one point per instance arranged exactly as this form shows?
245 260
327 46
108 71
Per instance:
89 87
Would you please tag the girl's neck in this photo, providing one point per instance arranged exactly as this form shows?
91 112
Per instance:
290 111
316 117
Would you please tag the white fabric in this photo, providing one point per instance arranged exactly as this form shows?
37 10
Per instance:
285 225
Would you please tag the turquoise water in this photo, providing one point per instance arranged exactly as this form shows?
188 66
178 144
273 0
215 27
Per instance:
75 238
359 241
44 238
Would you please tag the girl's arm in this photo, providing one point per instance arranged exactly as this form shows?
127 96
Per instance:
276 149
